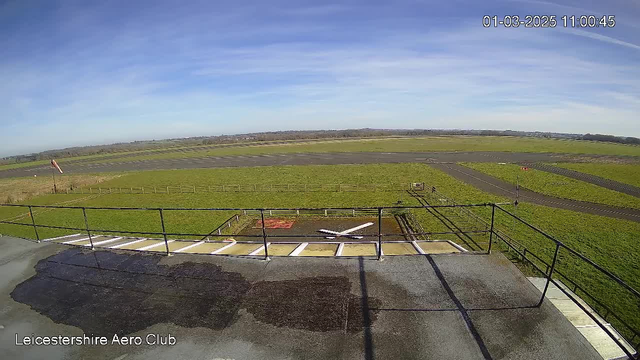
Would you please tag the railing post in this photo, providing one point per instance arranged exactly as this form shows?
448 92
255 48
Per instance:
33 221
264 236
164 233
379 233
86 224
493 214
553 265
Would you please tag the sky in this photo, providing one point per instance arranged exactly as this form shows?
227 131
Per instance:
96 72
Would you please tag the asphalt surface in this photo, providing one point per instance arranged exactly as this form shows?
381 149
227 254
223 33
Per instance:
593 179
291 159
418 307
498 187
445 161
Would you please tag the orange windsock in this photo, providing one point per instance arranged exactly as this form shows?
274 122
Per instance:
55 165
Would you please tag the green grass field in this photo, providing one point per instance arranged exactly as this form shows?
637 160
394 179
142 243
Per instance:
391 144
610 242
556 185
624 173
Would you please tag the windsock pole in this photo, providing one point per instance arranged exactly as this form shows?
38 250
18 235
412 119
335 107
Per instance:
55 166
53 173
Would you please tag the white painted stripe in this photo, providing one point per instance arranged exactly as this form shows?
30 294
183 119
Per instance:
418 248
128 243
259 249
74 241
299 249
190 246
61 237
339 251
154 245
223 248
457 246
105 241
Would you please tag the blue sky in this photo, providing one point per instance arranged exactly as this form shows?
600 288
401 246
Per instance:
87 72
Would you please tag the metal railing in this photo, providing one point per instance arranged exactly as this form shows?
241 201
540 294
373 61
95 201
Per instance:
225 226
194 189
550 270
494 234
348 211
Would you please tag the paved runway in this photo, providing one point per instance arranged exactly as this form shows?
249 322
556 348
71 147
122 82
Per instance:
593 179
498 187
442 160
291 159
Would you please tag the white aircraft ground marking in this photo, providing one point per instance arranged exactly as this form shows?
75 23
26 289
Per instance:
346 232
127 243
61 237
154 245
105 241
189 247
75 241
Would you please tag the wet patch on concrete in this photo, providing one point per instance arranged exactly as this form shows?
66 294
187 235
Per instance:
105 293
316 304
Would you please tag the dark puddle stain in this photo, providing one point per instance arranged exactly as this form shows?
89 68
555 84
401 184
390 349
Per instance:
106 293
317 304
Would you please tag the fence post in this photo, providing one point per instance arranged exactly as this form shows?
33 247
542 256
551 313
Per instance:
264 236
379 233
553 265
86 224
164 232
493 214
33 221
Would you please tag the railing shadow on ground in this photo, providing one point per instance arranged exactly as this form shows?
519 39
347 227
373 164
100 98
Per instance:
546 267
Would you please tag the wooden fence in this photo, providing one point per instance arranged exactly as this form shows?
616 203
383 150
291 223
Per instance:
194 189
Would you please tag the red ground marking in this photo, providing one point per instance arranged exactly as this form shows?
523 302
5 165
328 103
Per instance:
275 224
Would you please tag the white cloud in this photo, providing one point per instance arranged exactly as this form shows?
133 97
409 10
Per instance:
207 73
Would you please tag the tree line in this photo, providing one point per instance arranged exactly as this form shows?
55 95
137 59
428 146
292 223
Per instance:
292 136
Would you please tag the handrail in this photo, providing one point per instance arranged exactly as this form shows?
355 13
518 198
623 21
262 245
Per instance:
256 209
221 226
582 257
379 209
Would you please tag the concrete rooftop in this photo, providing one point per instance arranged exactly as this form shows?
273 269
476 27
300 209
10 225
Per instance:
459 306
